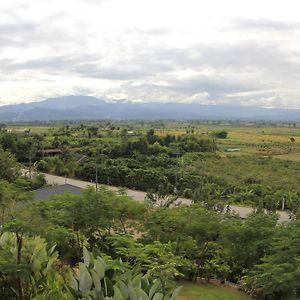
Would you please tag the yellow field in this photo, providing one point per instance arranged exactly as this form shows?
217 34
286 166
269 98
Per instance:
268 141
258 137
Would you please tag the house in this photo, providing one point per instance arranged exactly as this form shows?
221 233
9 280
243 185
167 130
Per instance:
50 151
46 192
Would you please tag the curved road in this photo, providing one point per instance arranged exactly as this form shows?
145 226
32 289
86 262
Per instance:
140 196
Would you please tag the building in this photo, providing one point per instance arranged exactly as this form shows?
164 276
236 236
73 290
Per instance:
46 192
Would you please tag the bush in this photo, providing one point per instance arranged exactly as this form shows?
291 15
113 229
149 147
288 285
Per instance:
220 134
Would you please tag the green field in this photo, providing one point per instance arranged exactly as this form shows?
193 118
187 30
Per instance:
252 139
193 291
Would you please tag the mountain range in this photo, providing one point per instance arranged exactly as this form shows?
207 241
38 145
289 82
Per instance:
91 108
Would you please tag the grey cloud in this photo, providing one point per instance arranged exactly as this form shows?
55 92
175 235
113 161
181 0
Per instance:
224 71
11 28
227 61
136 66
237 68
247 58
211 85
263 24
113 72
219 94
225 58
263 98
117 71
154 32
45 64
206 89
12 34
21 33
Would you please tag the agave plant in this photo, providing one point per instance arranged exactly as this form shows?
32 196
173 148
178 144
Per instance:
96 280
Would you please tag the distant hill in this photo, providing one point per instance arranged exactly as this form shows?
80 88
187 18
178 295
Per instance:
91 108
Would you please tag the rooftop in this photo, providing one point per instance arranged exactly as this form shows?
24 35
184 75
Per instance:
46 192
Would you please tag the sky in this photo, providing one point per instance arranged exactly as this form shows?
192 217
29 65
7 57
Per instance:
210 52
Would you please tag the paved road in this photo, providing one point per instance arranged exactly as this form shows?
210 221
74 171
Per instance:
140 196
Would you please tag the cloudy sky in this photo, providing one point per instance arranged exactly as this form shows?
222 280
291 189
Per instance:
210 51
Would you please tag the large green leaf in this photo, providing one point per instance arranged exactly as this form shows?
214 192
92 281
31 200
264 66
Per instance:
86 257
117 294
100 267
136 281
154 288
124 289
158 296
96 280
85 281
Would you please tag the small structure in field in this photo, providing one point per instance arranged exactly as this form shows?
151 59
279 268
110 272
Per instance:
233 150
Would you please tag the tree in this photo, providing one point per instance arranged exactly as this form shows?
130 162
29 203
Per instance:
220 134
11 201
246 242
151 137
92 130
94 215
155 258
9 142
189 229
9 167
278 274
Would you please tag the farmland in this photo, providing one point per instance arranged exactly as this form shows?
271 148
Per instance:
250 137
186 157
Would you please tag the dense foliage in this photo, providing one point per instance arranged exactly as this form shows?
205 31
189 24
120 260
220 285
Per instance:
131 249
138 157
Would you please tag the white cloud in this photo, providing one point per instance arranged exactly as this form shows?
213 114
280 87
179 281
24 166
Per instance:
235 52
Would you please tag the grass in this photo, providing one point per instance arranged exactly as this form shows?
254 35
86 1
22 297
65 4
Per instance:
193 291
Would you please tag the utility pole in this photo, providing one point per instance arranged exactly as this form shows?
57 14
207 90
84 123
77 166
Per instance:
30 167
283 203
96 176
96 168
43 151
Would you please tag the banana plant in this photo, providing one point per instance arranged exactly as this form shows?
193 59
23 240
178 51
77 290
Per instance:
96 280
27 268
